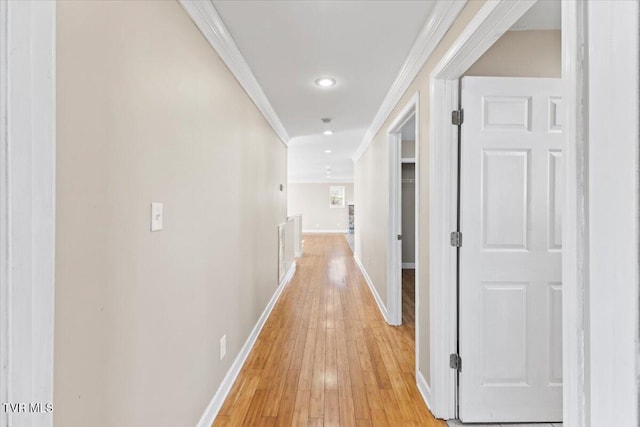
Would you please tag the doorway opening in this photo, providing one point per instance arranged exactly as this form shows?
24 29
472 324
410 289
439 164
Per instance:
403 269
408 220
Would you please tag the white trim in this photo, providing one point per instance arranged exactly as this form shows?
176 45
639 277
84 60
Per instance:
408 265
442 217
4 217
206 18
575 226
27 205
394 227
424 389
489 24
493 20
372 288
612 142
221 394
321 181
443 15
417 216
323 231
394 218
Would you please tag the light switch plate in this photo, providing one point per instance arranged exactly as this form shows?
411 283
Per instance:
156 216
223 346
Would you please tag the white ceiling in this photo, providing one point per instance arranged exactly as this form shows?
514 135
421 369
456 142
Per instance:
308 160
289 44
543 15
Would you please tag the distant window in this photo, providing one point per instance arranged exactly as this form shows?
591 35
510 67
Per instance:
336 196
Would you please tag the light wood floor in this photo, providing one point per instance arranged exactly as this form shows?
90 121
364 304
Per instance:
326 356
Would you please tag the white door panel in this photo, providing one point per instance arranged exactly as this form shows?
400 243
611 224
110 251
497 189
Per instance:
510 260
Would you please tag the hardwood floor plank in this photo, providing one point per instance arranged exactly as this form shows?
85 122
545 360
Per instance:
221 421
286 402
331 365
345 394
392 409
275 390
326 357
245 396
360 403
376 406
316 403
378 365
255 408
301 408
331 409
306 370
366 365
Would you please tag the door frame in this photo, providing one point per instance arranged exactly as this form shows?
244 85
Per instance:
489 24
394 252
27 204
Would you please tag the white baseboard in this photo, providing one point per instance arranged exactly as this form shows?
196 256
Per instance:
424 389
372 288
345 231
409 265
225 387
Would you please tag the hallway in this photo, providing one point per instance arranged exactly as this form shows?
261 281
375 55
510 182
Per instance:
326 356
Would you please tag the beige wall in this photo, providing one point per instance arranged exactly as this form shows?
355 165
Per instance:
148 112
312 201
521 54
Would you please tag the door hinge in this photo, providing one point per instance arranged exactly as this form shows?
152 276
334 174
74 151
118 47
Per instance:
456 239
399 236
457 117
455 362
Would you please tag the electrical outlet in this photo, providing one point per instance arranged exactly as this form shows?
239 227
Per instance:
223 346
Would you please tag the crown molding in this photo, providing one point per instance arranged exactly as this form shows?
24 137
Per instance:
210 24
443 15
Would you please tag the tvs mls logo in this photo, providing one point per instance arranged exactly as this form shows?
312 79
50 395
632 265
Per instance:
27 408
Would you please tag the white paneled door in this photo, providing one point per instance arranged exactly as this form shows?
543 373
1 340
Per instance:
510 337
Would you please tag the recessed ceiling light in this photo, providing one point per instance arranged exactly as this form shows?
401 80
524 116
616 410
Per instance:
325 82
327 151
328 132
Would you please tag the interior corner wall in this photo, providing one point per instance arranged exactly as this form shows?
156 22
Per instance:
311 200
532 53
372 190
148 112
